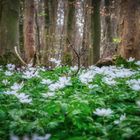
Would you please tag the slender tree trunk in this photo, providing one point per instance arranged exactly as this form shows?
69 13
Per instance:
9 30
50 20
63 55
86 33
45 52
53 19
29 30
95 31
129 29
68 54
41 31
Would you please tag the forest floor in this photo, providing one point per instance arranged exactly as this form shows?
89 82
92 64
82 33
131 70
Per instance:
97 103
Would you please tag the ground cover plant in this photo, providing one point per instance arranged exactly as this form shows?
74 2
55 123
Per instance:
97 103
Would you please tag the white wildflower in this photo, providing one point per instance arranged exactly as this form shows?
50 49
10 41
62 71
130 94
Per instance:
136 87
134 84
10 67
46 81
131 59
87 77
137 63
103 112
23 98
109 81
8 73
5 82
54 87
122 118
17 86
30 74
61 83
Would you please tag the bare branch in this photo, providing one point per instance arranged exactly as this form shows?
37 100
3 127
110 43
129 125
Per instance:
19 57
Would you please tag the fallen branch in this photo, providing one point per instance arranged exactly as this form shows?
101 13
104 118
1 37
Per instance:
19 57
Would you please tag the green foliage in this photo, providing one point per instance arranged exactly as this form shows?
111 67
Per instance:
119 61
69 113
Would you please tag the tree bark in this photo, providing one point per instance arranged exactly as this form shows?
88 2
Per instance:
68 54
9 30
29 30
129 30
86 42
50 20
95 31
41 31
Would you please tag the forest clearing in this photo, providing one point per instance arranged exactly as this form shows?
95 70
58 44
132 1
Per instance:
69 70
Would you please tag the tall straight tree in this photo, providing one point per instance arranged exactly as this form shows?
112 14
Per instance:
50 20
68 54
29 30
40 30
129 29
9 28
95 31
86 42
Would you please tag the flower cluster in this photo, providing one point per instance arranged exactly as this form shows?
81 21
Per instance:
23 98
110 74
61 83
134 84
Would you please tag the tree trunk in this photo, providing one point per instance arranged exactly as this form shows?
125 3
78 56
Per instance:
41 31
68 54
129 30
50 20
53 19
9 30
95 31
109 23
29 30
86 33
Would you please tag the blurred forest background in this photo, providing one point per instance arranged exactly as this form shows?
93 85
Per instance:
73 31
